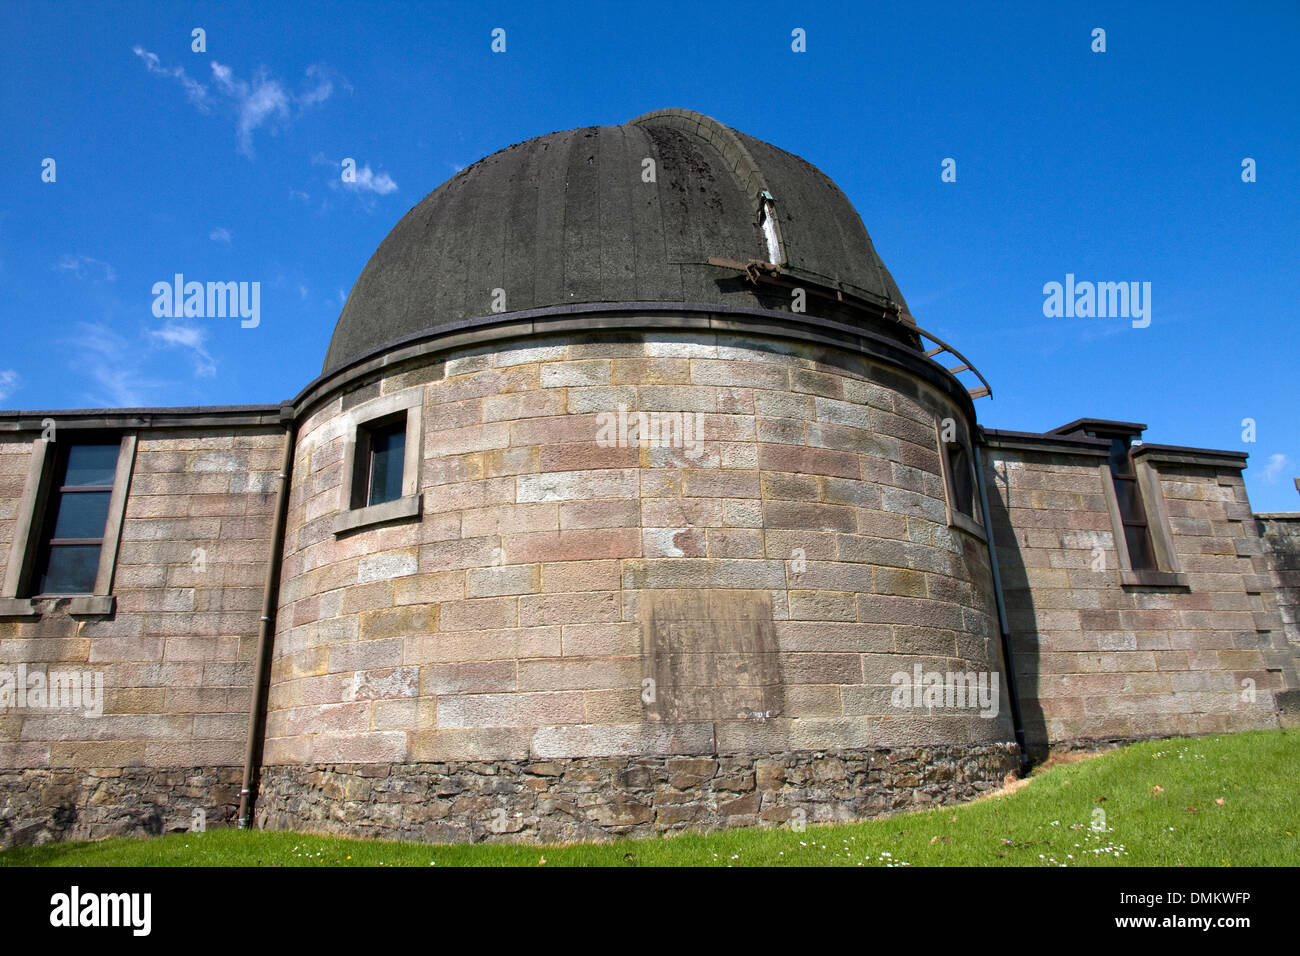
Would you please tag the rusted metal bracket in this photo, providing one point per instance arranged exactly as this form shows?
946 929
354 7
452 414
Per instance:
753 270
758 271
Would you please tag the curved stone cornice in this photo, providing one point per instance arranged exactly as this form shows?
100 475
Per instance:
585 319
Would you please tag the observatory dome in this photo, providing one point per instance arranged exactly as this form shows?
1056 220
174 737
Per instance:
570 218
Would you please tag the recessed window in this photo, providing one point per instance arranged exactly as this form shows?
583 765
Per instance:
381 464
958 467
75 519
1132 515
963 482
380 458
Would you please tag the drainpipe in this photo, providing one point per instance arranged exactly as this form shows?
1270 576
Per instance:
266 630
1004 629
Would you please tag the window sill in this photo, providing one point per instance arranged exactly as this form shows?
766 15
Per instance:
98 605
89 605
958 520
358 518
1154 579
17 607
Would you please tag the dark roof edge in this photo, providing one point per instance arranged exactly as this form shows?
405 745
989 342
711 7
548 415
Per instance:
1100 447
1182 455
1045 442
189 416
1100 424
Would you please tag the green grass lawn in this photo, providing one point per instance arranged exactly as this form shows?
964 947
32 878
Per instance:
1209 801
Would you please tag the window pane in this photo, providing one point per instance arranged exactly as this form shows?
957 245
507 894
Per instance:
91 465
1119 463
71 569
1140 555
387 456
962 491
1129 499
82 514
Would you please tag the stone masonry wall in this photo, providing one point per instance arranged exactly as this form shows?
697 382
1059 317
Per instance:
177 654
602 797
548 576
1098 660
1280 560
43 806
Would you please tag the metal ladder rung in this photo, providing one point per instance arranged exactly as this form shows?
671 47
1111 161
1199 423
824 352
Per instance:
933 352
958 368
979 392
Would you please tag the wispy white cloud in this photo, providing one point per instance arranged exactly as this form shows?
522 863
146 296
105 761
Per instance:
10 382
113 366
220 234
258 102
196 91
369 181
363 178
261 102
1277 464
321 91
190 337
84 266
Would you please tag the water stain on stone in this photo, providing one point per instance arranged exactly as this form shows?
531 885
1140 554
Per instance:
709 655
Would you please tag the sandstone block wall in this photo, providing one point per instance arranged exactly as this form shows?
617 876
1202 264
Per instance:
1096 659
176 656
547 577
1280 558
595 637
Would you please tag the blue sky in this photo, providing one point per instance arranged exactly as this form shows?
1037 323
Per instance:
1115 166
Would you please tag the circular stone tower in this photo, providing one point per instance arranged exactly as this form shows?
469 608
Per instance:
629 500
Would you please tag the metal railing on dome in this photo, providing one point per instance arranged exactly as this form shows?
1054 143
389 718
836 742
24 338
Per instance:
982 390
760 272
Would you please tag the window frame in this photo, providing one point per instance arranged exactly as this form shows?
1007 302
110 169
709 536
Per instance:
363 477
353 513
35 520
57 495
1146 483
972 522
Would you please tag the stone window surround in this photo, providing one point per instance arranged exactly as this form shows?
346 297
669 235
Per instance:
410 401
31 520
1166 573
958 519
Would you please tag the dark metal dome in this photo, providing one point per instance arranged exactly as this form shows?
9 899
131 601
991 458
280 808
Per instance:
568 218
